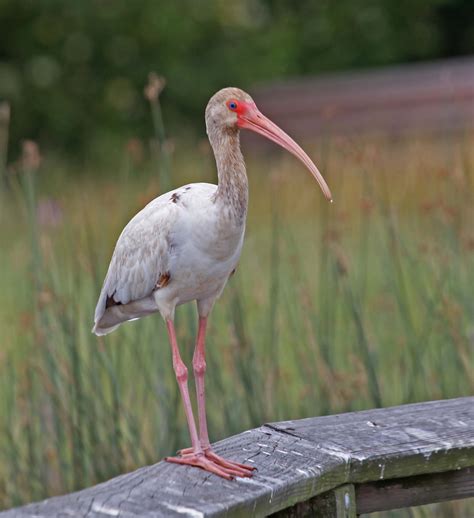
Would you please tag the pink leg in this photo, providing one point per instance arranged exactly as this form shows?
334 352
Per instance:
181 372
195 455
199 367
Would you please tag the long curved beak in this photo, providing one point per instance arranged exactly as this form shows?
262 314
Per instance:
251 118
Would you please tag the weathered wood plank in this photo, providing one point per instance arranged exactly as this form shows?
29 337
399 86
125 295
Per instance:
395 442
296 460
289 470
412 491
337 503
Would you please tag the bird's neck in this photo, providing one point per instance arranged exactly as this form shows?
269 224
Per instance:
232 191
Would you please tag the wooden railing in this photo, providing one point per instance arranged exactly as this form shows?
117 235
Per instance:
334 466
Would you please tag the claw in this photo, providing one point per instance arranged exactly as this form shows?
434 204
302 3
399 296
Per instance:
209 461
229 463
184 451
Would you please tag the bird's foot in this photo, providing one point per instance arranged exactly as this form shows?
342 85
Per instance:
209 461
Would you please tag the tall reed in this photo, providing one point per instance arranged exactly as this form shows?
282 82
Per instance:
332 308
4 134
152 93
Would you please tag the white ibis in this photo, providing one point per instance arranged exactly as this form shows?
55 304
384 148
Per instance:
183 246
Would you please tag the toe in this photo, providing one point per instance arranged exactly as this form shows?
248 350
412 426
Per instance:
217 470
210 461
200 461
244 469
185 451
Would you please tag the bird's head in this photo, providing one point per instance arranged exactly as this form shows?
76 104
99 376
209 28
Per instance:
231 109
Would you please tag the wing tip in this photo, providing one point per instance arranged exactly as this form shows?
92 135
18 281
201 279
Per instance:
102 331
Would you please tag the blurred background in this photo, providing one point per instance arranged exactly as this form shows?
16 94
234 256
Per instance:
364 303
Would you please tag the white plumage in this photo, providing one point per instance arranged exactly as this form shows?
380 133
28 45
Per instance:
183 246
178 236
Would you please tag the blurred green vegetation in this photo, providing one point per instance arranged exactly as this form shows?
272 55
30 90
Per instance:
334 307
74 71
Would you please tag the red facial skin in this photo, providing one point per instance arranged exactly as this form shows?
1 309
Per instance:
249 117
241 107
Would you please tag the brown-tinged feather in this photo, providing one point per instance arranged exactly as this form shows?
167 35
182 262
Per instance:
111 301
163 280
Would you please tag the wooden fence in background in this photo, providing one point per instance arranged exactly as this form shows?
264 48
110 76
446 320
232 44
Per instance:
422 97
333 466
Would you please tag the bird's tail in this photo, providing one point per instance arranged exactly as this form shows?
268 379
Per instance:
108 319
101 331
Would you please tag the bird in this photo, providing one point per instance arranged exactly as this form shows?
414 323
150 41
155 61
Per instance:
182 247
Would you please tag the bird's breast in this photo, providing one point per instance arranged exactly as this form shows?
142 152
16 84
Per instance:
205 248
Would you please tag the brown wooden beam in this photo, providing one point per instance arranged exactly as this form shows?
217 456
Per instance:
411 491
337 503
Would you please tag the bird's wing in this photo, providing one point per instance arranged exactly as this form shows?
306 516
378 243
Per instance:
140 258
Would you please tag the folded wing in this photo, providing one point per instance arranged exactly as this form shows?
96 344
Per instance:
140 261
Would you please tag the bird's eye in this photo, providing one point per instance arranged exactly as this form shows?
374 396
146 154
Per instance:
232 105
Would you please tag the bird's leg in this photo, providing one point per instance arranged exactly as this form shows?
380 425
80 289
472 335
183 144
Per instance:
181 372
195 456
199 367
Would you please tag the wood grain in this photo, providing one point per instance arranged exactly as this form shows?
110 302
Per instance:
338 503
296 461
419 490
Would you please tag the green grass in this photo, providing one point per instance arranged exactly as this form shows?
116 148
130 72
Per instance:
333 308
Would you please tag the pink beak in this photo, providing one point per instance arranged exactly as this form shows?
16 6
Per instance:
251 118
